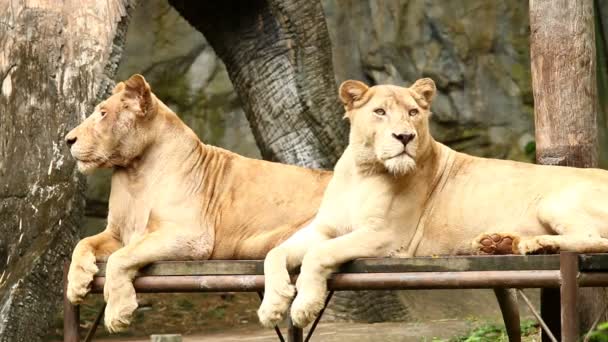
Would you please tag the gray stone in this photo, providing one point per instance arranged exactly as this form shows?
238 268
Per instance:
166 338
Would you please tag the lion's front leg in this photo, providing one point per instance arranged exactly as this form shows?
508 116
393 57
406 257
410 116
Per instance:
83 267
323 259
122 266
278 290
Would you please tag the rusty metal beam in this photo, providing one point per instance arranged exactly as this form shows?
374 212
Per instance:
359 281
593 279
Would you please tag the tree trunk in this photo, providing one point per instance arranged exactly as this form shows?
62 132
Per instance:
601 46
564 82
57 59
563 56
278 56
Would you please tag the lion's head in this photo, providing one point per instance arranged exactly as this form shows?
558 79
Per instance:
118 130
389 124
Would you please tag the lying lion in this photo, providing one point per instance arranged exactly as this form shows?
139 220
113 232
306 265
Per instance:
396 191
175 198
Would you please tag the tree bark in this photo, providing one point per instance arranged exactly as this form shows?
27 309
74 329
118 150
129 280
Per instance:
564 84
57 59
278 56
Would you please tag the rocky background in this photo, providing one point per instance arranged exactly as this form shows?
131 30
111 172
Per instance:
477 52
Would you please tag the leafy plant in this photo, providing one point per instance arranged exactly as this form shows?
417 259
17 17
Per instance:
530 149
497 333
600 334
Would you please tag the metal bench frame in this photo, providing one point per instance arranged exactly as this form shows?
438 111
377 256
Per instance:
567 271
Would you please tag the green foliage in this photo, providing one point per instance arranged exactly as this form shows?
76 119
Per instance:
485 333
600 334
530 149
185 304
219 312
496 333
529 327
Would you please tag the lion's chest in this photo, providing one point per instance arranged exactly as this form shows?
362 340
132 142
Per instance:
369 203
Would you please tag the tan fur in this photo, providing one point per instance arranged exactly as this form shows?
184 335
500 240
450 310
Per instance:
174 198
423 198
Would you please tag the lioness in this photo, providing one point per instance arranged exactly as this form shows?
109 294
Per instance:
396 191
173 197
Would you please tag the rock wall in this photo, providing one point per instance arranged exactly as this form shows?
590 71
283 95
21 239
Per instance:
476 51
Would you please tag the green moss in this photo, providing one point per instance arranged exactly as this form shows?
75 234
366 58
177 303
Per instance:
497 333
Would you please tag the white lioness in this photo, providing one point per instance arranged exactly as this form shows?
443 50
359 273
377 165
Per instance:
174 197
396 191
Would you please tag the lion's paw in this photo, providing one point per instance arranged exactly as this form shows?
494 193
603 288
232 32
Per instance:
272 314
275 304
80 277
119 312
538 245
305 309
496 243
122 301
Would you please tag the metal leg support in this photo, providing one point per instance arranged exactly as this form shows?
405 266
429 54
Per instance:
507 300
569 292
294 334
71 313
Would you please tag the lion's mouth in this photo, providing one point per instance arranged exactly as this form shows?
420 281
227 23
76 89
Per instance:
401 154
87 165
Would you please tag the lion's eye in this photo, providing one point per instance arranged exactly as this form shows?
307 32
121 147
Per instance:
413 112
103 113
379 111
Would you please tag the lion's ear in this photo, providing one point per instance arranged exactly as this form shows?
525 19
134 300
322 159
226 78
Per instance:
426 88
352 91
137 88
118 88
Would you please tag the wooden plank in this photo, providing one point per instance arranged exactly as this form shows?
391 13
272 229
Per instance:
203 267
371 265
454 264
593 262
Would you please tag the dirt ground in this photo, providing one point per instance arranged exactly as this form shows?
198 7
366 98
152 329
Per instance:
432 331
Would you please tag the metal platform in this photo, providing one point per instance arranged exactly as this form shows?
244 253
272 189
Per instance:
567 271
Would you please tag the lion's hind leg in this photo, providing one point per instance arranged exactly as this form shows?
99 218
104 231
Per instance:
495 243
549 244
576 220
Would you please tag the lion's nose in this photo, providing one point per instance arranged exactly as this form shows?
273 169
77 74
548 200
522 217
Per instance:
404 138
70 140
